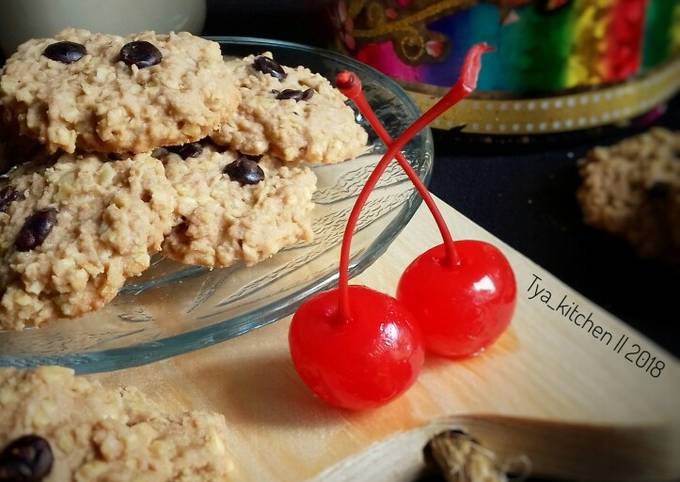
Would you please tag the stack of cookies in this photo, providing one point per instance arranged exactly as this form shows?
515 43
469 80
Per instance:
123 147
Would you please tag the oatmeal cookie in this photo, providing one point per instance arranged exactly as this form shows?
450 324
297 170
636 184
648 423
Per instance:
106 93
632 189
71 232
234 207
82 431
291 113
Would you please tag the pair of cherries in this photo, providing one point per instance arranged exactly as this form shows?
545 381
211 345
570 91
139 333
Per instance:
357 348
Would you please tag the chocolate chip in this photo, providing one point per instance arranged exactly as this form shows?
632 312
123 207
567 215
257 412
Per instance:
65 52
140 53
252 157
659 190
26 459
296 95
35 229
289 94
185 151
245 171
7 196
269 66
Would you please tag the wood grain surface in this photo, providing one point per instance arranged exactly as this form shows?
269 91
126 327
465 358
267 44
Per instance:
548 389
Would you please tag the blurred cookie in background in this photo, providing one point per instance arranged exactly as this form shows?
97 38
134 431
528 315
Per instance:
632 190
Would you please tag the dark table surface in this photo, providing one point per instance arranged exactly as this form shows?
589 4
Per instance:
525 195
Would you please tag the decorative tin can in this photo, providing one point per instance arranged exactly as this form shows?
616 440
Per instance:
558 65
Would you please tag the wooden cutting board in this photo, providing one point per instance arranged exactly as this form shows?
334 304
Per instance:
574 401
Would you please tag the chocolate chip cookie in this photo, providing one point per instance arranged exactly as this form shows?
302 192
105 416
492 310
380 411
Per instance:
235 207
290 113
73 429
106 93
73 229
632 189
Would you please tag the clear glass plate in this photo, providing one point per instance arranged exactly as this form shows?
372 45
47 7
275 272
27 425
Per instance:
172 308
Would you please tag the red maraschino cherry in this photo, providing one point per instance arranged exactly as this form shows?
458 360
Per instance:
358 363
327 326
461 307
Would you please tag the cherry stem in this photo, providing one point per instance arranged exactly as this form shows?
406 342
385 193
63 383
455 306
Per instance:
465 84
351 87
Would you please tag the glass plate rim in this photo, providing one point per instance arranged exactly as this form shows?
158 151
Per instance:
148 352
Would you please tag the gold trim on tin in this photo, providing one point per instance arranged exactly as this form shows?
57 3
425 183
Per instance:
560 113
381 26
